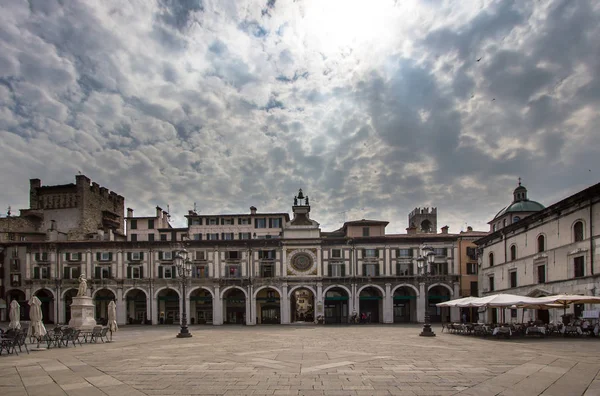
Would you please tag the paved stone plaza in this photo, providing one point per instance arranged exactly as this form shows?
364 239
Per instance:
306 360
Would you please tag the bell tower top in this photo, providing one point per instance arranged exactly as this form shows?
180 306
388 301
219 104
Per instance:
301 200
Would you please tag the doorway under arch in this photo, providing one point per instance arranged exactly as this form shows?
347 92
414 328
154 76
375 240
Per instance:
405 305
337 305
67 301
268 306
136 307
234 304
371 304
101 299
201 307
48 308
436 295
302 305
168 306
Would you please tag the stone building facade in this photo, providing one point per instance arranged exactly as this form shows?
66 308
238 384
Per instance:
254 268
551 250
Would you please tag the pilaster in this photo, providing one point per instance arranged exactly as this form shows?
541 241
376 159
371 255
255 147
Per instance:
250 307
388 305
285 305
121 308
217 307
421 304
319 304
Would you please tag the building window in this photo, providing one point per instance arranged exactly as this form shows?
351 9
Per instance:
200 255
267 270
163 237
266 254
491 259
133 237
370 253
494 228
371 270
227 221
471 268
336 253
365 231
513 252
134 256
233 255
541 243
168 271
135 272
133 224
71 272
102 272
275 223
578 231
337 270
15 280
513 278
151 237
151 224
492 287
245 235
41 273
474 289
260 223
104 256
212 236
516 218
405 253
541 274
244 221
440 252
201 271
212 221
196 221
166 256
73 256
228 236
197 237
579 266
504 223
404 269
43 257
233 271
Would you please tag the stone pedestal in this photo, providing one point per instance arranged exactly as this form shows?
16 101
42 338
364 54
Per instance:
82 313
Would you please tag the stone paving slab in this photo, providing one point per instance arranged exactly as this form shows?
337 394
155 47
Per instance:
306 360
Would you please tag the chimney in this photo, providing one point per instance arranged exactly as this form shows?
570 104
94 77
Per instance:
165 215
252 210
129 212
445 229
158 212
411 230
469 229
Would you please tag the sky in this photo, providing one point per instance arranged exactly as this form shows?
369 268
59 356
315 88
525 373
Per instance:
373 108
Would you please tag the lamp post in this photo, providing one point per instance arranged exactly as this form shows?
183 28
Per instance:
184 268
424 263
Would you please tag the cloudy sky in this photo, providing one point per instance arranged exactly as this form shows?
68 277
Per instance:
372 107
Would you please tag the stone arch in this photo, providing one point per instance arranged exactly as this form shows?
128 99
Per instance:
233 287
442 285
114 292
371 285
62 295
15 290
189 293
413 287
303 287
44 288
340 286
573 231
134 288
266 287
164 288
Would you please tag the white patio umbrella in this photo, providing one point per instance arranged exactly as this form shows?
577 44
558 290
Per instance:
112 318
454 303
15 315
36 327
567 299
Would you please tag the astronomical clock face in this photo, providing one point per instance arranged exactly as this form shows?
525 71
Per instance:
302 262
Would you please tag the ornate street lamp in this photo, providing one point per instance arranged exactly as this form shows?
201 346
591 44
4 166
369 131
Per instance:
424 263
184 269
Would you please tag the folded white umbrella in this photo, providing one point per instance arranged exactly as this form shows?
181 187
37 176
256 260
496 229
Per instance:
112 318
36 327
15 315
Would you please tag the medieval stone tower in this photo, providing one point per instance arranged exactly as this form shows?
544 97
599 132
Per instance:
424 220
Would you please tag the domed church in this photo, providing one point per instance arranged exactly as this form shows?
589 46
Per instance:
520 207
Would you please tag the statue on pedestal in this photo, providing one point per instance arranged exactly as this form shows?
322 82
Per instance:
82 290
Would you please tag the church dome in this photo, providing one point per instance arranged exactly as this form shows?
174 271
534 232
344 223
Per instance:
520 203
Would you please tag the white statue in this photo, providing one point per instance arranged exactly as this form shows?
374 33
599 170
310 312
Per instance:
82 291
